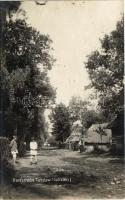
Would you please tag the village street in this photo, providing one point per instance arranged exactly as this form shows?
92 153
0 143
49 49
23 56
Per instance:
62 174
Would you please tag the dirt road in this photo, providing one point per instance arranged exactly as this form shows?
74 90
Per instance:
63 174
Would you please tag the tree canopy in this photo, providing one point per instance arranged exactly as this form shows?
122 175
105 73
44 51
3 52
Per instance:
60 119
25 85
106 70
82 110
77 107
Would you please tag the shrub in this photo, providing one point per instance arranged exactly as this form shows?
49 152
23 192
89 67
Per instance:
7 172
4 148
6 169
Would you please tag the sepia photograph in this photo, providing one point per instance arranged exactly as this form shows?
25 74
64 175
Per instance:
62 100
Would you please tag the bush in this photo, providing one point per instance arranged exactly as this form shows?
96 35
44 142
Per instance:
7 172
6 169
4 148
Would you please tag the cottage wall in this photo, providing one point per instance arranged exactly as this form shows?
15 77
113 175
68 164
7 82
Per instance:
117 139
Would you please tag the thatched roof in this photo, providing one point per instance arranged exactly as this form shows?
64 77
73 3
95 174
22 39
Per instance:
77 126
74 137
95 132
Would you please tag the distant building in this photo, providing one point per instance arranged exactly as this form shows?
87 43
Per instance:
98 135
117 127
72 142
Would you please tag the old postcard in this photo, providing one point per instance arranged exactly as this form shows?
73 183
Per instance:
62 99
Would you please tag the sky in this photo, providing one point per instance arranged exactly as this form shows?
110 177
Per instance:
75 29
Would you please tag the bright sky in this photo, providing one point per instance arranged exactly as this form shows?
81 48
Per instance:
75 30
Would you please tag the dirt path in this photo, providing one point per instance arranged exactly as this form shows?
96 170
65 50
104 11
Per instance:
63 174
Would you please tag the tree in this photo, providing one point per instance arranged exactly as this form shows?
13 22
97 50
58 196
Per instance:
101 132
60 119
6 10
26 87
82 111
106 70
77 107
91 117
10 6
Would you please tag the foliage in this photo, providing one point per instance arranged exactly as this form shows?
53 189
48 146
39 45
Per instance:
106 69
25 86
92 117
26 46
7 8
101 132
10 6
60 119
7 172
81 110
6 169
77 107
4 148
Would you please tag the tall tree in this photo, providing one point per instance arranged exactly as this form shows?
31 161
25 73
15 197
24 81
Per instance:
77 107
82 110
25 85
106 70
60 119
6 10
92 117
